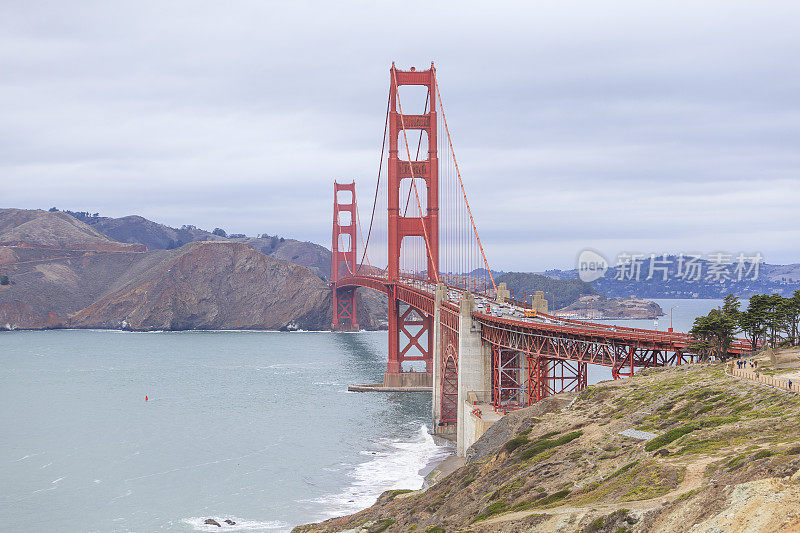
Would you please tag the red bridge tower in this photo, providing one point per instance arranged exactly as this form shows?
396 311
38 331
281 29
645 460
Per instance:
426 225
343 256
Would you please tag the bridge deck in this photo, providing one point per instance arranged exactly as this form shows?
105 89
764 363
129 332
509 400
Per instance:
506 321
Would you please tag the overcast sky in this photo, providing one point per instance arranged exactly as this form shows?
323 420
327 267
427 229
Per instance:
621 126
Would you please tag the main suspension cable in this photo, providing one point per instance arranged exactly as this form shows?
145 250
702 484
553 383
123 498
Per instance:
377 189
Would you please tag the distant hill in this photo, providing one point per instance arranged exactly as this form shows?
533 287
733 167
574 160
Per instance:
769 279
559 293
53 229
136 229
65 272
155 236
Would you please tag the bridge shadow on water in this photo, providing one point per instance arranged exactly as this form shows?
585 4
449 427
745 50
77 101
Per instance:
366 357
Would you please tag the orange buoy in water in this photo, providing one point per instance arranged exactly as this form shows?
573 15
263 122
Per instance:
145 398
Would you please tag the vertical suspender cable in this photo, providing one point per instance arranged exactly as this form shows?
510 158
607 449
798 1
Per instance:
461 183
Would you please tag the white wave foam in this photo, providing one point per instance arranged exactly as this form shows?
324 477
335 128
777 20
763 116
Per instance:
198 523
28 456
396 466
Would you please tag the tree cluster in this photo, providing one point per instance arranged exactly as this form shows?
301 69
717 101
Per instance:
84 216
770 319
714 333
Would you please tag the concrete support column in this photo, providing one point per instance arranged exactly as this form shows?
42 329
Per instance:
472 364
503 293
439 296
539 303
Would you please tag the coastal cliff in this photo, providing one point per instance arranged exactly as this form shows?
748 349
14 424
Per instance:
668 450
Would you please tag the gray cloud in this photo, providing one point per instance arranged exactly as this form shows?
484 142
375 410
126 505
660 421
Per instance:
621 126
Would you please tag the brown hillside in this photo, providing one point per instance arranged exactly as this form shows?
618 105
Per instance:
215 285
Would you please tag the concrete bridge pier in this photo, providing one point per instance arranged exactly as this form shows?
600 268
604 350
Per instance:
474 379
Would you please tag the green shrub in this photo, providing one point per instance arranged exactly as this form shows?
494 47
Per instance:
515 443
715 421
545 444
761 454
667 406
602 522
381 525
508 487
550 434
493 509
623 469
670 436
389 495
556 496
735 462
705 409
596 525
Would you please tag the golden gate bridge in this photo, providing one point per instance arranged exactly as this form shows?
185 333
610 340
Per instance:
484 352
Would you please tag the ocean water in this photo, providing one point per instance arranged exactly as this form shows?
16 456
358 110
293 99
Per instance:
255 427
684 312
